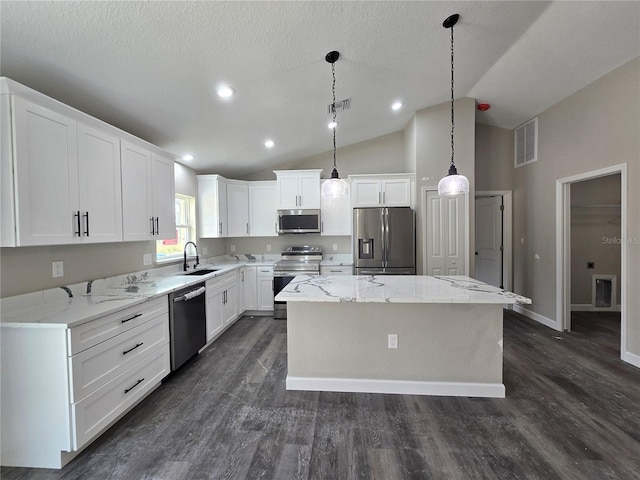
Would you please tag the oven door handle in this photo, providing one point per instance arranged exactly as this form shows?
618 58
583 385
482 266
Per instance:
293 273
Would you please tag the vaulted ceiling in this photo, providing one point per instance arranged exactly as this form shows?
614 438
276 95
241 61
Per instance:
152 68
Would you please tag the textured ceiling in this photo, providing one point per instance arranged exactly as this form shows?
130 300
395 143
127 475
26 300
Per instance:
151 68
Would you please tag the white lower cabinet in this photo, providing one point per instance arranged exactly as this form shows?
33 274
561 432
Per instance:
250 287
222 303
62 387
265 288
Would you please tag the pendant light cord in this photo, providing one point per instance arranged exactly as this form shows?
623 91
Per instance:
452 98
333 107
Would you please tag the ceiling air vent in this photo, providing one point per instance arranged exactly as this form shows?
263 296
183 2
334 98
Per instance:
339 105
526 143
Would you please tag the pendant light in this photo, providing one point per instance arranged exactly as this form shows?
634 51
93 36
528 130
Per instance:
453 183
334 187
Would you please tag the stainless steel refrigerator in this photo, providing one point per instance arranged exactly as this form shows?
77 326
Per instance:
384 241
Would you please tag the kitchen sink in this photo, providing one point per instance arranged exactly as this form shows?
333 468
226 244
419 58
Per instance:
203 271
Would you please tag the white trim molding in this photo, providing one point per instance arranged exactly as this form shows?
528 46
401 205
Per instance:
537 317
405 387
631 358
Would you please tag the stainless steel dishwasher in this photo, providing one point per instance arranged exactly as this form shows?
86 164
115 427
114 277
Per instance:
187 323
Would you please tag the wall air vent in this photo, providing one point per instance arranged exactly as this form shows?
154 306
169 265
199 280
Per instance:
339 105
526 143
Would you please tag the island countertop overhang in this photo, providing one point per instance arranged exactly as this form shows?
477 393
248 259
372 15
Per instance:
395 289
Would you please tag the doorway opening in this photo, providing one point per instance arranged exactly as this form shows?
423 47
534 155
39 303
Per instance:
494 238
593 214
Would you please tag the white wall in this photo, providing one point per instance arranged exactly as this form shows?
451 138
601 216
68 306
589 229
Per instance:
594 128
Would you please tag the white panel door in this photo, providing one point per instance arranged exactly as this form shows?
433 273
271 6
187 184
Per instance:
489 240
100 185
46 176
446 221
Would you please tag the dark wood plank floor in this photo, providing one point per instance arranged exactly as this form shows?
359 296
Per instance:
572 412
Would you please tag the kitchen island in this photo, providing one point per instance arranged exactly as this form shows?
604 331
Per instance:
418 335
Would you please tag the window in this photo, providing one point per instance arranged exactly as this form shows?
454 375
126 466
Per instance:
172 249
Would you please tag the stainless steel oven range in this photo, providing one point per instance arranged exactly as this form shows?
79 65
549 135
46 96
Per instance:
296 260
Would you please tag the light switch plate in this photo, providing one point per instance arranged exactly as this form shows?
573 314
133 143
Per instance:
268 247
57 269
233 248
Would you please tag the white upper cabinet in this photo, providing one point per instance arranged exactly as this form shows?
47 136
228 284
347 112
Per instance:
67 179
237 208
100 185
298 188
163 193
263 206
335 215
45 162
137 218
393 190
148 194
212 206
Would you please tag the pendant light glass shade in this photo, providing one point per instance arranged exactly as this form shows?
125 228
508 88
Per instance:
452 184
334 187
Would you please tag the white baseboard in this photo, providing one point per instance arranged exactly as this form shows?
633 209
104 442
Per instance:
587 307
632 358
537 317
406 387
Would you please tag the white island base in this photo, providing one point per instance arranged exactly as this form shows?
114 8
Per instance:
449 335
450 350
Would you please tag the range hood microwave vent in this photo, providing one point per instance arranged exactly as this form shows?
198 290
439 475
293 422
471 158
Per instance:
298 221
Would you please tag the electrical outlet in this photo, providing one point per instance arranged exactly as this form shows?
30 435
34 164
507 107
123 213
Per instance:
335 247
268 247
205 251
233 248
393 340
57 269
146 259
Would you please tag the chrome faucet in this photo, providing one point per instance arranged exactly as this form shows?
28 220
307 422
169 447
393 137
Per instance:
185 256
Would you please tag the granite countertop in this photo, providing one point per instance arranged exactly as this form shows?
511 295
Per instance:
337 259
74 305
395 289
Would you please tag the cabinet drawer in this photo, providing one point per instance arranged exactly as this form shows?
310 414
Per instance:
336 270
97 410
89 334
95 366
265 272
225 279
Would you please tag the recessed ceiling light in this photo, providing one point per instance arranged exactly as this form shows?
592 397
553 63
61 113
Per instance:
188 157
225 91
269 143
396 106
332 125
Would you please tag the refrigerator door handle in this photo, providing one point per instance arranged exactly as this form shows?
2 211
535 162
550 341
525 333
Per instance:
385 237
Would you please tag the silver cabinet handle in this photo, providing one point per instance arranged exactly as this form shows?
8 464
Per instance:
153 227
157 225
247 229
220 232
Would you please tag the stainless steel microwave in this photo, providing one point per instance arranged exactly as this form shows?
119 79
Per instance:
298 221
